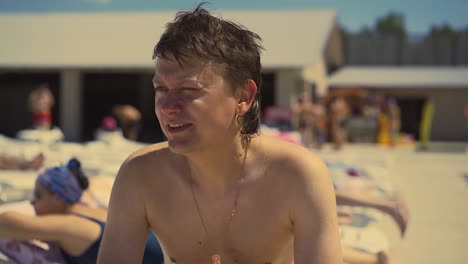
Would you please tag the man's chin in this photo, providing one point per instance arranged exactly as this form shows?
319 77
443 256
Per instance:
179 147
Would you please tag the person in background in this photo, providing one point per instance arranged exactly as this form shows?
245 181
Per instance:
41 102
339 113
13 163
128 118
108 131
303 118
61 219
395 206
319 123
394 119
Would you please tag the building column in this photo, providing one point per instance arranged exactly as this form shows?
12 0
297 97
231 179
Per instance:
316 74
146 91
70 104
288 83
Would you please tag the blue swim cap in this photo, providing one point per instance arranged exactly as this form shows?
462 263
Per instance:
61 181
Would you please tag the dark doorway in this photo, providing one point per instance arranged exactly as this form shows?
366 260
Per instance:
150 131
268 91
14 92
411 114
101 91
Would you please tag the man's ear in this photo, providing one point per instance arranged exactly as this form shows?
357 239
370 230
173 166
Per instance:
247 96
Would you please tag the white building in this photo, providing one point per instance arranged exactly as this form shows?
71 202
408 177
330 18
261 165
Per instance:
95 60
412 86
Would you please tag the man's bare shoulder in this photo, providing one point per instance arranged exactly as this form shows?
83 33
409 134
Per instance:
303 176
295 161
281 150
147 160
148 150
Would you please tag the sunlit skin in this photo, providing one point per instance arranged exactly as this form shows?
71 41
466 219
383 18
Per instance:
45 202
285 208
192 112
55 221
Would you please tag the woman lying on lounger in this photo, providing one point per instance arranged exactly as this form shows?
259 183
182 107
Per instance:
62 220
13 163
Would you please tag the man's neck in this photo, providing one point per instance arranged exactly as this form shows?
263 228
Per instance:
217 170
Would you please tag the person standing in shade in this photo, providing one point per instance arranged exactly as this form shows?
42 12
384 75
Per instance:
41 102
303 119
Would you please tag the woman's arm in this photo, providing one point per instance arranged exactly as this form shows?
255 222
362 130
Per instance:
72 233
18 226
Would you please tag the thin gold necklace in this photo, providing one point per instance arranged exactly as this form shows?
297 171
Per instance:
216 258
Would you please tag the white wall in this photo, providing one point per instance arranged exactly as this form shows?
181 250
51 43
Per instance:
448 123
316 74
288 83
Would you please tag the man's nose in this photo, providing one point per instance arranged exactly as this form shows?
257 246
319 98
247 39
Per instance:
170 104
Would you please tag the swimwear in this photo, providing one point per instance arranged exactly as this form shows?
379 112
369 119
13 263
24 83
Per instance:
153 252
42 118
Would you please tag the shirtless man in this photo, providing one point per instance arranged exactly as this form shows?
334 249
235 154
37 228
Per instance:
303 119
339 113
217 192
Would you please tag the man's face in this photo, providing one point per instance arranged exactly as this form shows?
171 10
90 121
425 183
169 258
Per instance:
195 105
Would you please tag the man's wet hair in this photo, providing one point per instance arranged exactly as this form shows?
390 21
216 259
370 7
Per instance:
229 46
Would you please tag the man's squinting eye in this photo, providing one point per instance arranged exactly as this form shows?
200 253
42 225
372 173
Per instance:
160 89
181 91
190 89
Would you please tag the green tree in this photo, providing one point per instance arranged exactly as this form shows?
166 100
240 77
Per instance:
343 31
366 31
463 32
444 30
391 24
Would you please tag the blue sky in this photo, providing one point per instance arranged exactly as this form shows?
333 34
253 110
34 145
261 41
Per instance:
353 14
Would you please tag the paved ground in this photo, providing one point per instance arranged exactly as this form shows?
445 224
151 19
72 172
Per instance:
436 191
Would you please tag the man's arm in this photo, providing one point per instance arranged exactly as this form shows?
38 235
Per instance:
127 226
314 216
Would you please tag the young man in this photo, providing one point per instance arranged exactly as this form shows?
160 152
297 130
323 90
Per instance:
216 192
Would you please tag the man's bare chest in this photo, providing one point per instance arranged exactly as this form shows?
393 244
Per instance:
259 230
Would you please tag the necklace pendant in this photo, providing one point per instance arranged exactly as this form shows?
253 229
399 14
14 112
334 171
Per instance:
216 259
